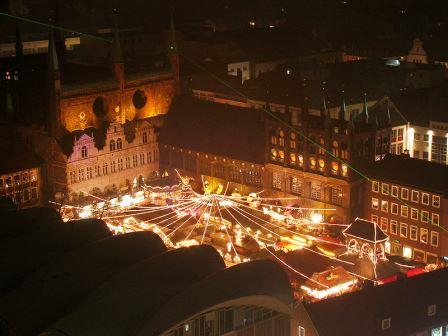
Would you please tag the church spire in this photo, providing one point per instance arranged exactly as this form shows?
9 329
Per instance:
117 54
53 61
365 111
59 38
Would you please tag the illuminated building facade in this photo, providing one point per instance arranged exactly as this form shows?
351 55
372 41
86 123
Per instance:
267 155
124 162
407 197
20 176
318 169
423 130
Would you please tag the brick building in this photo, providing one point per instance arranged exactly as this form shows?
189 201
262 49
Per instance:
20 175
57 108
407 197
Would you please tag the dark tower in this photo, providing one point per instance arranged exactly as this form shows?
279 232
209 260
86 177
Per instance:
54 82
117 54
59 38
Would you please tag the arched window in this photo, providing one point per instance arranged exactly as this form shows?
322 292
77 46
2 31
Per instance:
145 137
119 143
321 146
112 145
292 141
84 152
281 138
335 148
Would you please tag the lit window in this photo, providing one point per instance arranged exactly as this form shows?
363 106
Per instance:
375 203
281 140
394 208
425 198
344 169
394 191
425 216
276 181
434 238
437 331
404 193
414 213
393 226
385 324
384 223
281 155
334 167
404 211
436 201
407 252
384 206
385 188
424 236
413 232
84 152
336 195
435 219
316 191
375 186
301 331
296 185
415 196
432 310
292 158
112 145
403 230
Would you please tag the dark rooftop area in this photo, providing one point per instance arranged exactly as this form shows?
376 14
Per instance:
404 170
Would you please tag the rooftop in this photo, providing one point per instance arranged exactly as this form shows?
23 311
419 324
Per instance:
362 312
17 158
199 125
404 170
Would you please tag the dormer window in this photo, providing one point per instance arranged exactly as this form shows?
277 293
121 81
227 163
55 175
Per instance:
112 145
432 310
119 143
84 152
385 324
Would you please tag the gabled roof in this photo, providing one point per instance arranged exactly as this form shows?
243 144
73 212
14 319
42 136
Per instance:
199 125
365 230
17 157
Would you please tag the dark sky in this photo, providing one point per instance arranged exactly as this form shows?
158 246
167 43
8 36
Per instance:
333 19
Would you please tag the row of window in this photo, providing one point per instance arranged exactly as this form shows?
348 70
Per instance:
29 195
415 214
23 179
316 189
402 231
319 164
115 166
404 195
113 145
